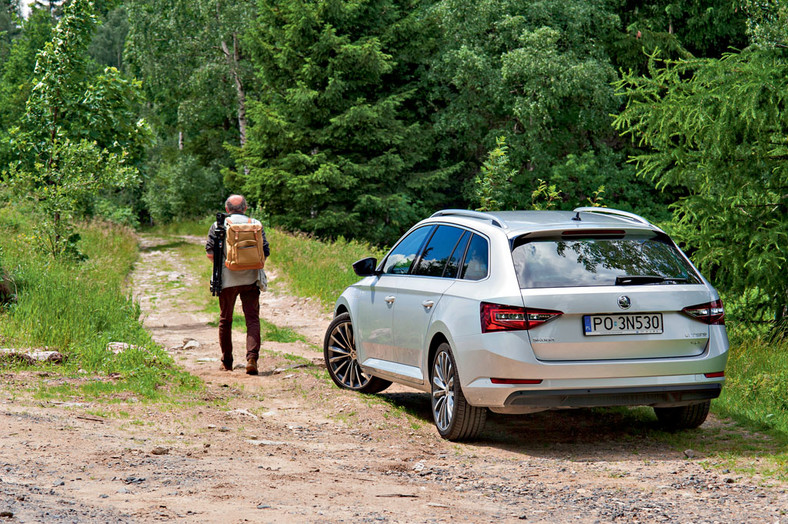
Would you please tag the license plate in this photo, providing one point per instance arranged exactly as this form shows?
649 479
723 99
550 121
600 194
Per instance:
623 324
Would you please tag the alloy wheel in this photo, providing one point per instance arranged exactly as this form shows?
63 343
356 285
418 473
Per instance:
443 391
342 358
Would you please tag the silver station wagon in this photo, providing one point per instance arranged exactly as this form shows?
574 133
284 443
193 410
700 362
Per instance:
525 311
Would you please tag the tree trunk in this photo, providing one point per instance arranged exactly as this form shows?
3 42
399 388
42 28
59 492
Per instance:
232 63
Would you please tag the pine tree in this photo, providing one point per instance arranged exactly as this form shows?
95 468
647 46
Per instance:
716 128
337 141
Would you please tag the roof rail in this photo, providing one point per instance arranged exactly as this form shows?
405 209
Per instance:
471 214
611 211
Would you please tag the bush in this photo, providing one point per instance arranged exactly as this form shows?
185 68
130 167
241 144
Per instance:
182 188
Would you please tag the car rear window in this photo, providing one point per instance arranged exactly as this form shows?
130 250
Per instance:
475 265
555 262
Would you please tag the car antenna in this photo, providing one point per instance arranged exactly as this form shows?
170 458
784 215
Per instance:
577 217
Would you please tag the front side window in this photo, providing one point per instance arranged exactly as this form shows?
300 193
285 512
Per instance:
475 265
405 252
544 263
438 251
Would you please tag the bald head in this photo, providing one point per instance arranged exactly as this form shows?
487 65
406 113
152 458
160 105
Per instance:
235 204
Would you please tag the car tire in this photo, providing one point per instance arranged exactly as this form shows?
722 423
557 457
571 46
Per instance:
339 351
453 416
683 417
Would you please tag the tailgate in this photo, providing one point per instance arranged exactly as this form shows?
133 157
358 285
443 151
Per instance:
618 322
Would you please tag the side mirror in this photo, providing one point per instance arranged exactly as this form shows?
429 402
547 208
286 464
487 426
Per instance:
365 267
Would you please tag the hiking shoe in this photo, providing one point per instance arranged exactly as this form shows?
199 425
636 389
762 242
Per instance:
251 366
225 367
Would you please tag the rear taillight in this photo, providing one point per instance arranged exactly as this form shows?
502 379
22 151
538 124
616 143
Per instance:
711 313
496 317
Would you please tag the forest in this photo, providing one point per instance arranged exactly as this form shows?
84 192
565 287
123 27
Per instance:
356 118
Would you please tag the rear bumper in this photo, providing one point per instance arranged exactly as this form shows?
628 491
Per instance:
661 382
659 396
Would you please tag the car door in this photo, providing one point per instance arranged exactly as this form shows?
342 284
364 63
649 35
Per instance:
419 294
373 325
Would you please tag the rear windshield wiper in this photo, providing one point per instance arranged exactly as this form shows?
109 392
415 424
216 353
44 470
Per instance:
637 280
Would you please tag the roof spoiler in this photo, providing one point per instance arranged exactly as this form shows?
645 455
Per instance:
610 211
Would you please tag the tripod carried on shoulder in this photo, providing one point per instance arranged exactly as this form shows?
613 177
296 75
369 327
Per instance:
219 239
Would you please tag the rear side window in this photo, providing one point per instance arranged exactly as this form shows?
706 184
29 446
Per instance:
475 265
599 262
453 265
438 251
404 253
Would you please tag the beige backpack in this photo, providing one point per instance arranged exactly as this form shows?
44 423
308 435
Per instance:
244 246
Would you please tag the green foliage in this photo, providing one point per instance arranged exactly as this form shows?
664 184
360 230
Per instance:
77 172
17 72
534 72
491 186
196 75
766 22
9 28
78 136
109 39
702 28
580 177
336 147
60 81
544 196
182 188
717 129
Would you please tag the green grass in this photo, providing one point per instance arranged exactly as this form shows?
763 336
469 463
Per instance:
317 269
756 388
270 332
78 308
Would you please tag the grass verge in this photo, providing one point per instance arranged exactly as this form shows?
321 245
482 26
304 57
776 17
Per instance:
317 269
78 308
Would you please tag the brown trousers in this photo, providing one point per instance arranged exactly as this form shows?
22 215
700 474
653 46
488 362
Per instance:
250 300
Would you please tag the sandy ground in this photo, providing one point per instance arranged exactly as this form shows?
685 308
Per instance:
288 446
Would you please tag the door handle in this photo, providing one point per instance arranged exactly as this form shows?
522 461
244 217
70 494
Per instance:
428 304
390 299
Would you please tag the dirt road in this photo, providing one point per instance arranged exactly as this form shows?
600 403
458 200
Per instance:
287 446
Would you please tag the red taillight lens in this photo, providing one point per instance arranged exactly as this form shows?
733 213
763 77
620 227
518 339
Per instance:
712 313
716 374
496 317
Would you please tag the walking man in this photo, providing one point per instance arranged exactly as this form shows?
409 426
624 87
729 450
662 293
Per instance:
235 283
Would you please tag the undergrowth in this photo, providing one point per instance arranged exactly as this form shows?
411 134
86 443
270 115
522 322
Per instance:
78 308
756 387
